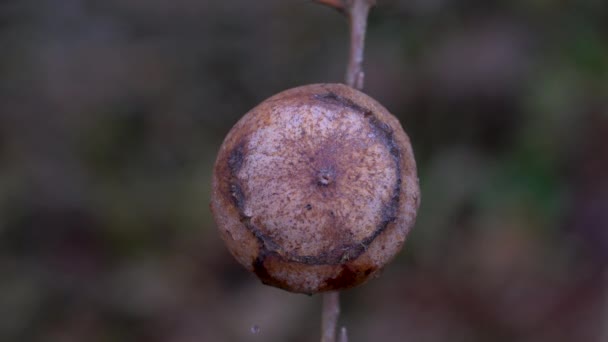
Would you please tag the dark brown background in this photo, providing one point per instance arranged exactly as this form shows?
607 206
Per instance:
111 113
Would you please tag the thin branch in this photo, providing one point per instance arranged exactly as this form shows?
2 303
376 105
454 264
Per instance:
329 319
336 4
343 335
604 326
357 12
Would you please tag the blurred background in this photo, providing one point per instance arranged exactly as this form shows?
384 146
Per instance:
111 113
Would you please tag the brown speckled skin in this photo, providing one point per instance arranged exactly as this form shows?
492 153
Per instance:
315 189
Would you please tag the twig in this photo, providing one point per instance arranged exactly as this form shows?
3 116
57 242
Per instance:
356 11
343 335
604 329
329 319
337 4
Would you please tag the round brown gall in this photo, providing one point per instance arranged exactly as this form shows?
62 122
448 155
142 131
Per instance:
315 189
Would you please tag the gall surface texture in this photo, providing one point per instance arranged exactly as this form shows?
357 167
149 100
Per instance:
315 189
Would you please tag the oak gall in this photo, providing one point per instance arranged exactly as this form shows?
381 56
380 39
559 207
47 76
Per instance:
315 189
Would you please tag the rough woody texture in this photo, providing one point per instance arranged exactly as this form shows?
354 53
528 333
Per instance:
315 189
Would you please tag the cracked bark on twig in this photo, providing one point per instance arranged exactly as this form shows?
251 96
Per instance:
357 12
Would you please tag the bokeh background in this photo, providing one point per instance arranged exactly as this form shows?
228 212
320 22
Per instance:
111 113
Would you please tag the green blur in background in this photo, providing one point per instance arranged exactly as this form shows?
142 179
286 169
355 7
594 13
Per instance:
111 113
